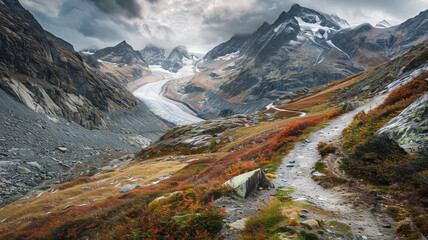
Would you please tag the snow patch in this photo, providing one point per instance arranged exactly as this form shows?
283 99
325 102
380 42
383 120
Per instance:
331 44
383 24
277 28
109 63
228 56
161 178
313 28
85 52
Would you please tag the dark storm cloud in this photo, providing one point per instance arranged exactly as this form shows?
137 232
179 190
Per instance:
198 24
128 8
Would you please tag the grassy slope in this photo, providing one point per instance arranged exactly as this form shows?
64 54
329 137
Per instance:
135 213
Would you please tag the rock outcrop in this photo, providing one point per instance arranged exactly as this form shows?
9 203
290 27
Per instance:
128 187
245 184
410 128
197 137
349 106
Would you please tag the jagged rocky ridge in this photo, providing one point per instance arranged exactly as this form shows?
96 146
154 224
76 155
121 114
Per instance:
15 6
122 63
53 80
176 59
153 55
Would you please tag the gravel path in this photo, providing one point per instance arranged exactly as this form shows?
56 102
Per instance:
295 172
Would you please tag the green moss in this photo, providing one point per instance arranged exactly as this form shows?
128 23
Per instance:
396 212
308 236
343 228
383 190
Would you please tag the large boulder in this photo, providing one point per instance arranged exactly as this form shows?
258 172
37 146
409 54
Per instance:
245 184
410 128
350 106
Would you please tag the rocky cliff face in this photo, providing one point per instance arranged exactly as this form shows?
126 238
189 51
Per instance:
153 55
15 6
122 63
51 79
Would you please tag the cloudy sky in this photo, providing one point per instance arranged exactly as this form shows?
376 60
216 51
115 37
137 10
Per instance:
197 24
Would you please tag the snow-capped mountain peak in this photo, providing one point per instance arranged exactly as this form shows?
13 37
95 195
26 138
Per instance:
383 24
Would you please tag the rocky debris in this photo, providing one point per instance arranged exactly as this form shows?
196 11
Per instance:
245 184
23 170
239 224
239 209
410 128
128 187
312 223
30 140
36 165
139 141
350 106
62 149
197 135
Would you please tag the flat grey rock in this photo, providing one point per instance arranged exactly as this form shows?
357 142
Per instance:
128 187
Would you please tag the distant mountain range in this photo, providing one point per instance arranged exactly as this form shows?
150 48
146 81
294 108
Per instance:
303 48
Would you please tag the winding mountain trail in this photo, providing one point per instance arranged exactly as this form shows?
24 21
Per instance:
271 106
295 172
